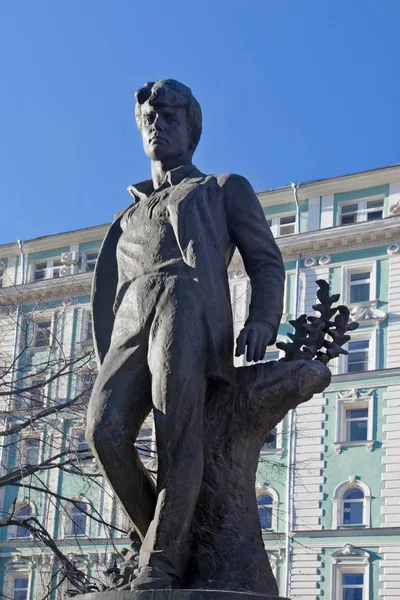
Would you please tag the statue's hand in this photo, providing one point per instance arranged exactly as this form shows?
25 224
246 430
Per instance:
256 336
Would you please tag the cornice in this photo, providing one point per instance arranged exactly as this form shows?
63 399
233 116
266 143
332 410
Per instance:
47 289
378 374
348 533
333 185
342 238
56 240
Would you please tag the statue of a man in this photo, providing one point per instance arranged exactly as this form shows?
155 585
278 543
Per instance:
163 323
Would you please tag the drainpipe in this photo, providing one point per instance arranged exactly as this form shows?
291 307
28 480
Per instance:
291 430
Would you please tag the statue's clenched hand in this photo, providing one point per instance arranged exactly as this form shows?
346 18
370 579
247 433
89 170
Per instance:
256 336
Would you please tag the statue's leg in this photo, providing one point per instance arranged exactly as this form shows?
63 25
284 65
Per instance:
177 359
120 402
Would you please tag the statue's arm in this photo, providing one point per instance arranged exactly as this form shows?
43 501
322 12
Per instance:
251 234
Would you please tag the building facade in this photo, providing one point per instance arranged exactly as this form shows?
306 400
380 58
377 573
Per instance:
328 481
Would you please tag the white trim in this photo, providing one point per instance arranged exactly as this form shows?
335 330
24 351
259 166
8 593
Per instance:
358 336
350 560
12 531
15 568
353 402
84 259
327 206
276 223
353 267
68 522
337 503
362 211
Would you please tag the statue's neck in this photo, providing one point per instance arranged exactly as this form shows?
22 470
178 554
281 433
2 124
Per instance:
159 169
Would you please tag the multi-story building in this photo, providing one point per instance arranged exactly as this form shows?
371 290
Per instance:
328 482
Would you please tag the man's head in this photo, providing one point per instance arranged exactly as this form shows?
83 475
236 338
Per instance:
169 118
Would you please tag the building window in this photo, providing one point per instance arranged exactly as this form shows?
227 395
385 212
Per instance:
41 336
363 210
90 261
265 503
80 445
360 287
77 519
270 442
20 588
87 381
282 225
356 424
87 326
36 394
352 586
351 504
2 269
358 357
355 420
31 450
353 507
23 513
49 269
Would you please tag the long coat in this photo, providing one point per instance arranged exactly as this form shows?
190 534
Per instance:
210 216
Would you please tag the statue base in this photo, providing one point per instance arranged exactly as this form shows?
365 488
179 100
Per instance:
177 595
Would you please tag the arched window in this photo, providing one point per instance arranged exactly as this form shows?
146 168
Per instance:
265 503
351 504
23 512
77 519
353 507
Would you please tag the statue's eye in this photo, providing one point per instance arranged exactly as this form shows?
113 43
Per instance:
148 119
171 119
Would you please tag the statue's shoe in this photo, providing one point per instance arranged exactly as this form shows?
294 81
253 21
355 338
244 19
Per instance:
152 578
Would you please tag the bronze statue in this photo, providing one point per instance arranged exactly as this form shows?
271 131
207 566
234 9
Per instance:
163 326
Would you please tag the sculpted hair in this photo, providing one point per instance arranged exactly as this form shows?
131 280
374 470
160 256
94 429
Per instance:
169 92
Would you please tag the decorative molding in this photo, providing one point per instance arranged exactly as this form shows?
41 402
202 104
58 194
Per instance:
325 260
367 311
350 552
370 445
393 248
395 208
311 261
355 393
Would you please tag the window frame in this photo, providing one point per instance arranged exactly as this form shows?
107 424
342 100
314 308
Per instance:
274 221
76 432
337 504
85 320
269 491
12 532
354 402
355 268
37 326
69 523
49 270
362 209
350 560
86 262
361 335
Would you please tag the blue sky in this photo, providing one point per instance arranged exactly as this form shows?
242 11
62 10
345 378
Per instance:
291 90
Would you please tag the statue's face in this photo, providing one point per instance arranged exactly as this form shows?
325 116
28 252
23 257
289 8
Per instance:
165 132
